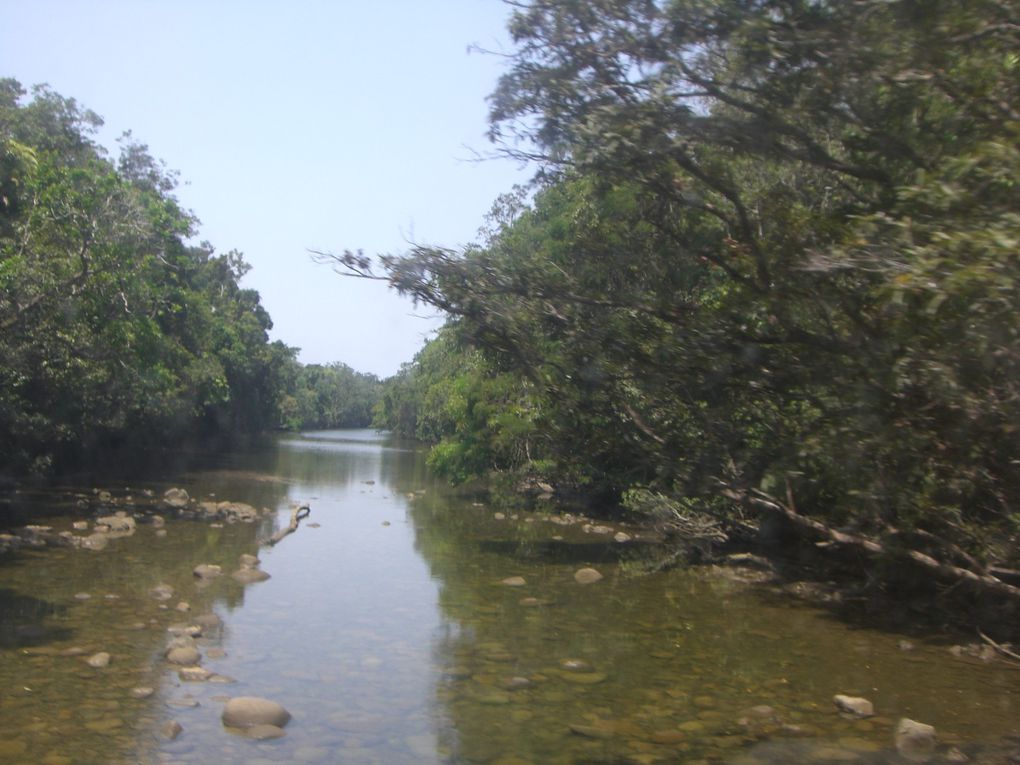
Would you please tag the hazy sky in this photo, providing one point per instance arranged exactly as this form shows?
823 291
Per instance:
294 125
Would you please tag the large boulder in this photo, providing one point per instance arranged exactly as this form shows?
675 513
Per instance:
248 711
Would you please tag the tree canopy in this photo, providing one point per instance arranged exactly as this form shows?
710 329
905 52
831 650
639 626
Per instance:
771 258
116 330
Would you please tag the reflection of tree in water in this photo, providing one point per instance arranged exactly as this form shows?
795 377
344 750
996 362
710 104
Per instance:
24 620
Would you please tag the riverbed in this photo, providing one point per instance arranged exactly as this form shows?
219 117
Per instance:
407 623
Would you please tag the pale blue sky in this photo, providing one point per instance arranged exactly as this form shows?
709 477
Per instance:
294 125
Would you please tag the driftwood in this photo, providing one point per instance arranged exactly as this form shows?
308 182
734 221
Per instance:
296 516
998 647
984 581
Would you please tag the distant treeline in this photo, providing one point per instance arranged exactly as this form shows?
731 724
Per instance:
115 332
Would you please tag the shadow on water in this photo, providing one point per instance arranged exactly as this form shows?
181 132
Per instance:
564 551
23 621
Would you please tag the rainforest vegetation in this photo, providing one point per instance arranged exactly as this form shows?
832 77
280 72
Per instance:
769 264
116 332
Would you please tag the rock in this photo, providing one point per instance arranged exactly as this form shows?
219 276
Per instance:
99 660
120 523
210 620
105 497
184 655
184 630
176 498
499 516
621 536
82 596
248 561
160 532
915 741
97 541
171 729
158 521
249 575
265 732
249 711
142 692
194 674
183 607
206 571
162 592
854 706
514 581
80 525
576 665
587 576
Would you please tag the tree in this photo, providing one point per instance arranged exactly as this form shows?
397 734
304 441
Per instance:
773 258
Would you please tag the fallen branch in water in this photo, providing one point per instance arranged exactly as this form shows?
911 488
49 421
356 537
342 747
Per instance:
998 646
296 515
947 570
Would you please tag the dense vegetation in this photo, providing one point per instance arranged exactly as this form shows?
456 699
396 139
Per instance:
331 396
116 332
770 262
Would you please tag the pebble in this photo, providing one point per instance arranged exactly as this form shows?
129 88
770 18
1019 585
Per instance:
99 660
142 692
514 581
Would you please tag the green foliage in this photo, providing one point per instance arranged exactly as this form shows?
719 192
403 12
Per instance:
774 248
477 419
331 396
115 331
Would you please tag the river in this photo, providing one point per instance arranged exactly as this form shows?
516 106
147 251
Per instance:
389 633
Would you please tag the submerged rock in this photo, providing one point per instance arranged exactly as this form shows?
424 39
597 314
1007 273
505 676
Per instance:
207 571
587 576
183 655
171 729
514 581
119 523
99 660
915 741
249 575
249 711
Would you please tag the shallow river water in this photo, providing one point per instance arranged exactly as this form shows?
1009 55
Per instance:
387 630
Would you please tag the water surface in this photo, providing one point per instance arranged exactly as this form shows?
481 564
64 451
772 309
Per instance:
386 630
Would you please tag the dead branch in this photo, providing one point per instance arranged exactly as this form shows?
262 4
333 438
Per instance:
296 515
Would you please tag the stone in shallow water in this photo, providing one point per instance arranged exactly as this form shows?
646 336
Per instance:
142 692
194 674
249 575
854 706
514 581
248 711
99 660
587 576
183 655
915 741
171 729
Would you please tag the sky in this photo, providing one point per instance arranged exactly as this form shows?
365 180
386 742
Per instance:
295 125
